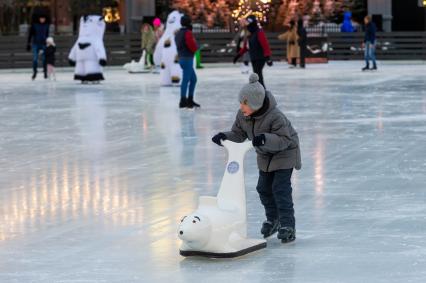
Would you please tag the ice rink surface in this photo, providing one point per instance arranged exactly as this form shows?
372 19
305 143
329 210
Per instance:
95 178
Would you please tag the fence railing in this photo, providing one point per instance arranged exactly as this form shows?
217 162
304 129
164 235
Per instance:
389 46
217 47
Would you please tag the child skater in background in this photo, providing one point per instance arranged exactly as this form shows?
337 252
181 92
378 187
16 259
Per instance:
50 58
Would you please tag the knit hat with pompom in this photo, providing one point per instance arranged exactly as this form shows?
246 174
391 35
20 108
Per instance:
253 93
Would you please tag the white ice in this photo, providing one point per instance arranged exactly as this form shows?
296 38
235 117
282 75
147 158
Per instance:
95 178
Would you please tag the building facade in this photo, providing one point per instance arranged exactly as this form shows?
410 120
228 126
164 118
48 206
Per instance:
398 15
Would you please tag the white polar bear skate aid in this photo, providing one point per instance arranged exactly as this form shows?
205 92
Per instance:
218 228
137 67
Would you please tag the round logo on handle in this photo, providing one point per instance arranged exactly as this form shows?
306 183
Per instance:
233 167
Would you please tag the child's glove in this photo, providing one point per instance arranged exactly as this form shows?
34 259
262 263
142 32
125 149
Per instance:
259 140
218 138
102 62
269 61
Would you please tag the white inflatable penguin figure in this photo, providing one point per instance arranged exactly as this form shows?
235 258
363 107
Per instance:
218 228
165 54
88 53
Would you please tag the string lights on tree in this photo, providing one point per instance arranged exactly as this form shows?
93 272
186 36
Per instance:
273 14
250 7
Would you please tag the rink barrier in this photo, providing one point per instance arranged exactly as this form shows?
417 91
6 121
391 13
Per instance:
389 46
218 47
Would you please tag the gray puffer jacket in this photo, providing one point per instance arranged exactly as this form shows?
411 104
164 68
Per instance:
281 149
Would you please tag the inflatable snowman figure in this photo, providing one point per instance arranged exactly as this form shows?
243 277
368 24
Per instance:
218 228
88 53
165 54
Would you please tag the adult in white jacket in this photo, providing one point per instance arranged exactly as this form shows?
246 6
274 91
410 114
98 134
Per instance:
165 54
88 53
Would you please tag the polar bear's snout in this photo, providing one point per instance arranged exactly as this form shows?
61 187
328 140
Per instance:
195 230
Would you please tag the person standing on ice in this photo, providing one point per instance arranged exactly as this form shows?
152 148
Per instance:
303 42
347 25
258 47
50 58
277 147
241 42
39 32
369 44
186 47
148 44
158 32
292 38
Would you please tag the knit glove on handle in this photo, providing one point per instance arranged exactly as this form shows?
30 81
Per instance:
217 139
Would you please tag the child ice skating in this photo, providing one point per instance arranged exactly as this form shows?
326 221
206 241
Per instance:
241 42
277 147
147 44
50 58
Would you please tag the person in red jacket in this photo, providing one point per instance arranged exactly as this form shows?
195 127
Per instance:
258 47
186 48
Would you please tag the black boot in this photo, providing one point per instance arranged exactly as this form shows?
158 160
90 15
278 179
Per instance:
183 102
34 75
269 228
286 234
45 71
374 67
191 103
366 68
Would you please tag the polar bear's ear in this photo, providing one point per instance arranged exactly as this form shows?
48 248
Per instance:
85 18
101 18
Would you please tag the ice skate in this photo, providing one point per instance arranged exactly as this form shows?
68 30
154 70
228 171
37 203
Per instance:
192 104
183 103
286 234
269 228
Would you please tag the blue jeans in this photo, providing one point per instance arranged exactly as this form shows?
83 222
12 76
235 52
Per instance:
275 191
370 53
36 51
189 77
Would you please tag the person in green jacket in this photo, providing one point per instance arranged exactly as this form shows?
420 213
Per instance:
277 147
147 44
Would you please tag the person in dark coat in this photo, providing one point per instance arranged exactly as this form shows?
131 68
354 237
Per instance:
303 41
258 47
278 152
369 44
39 32
186 48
